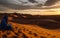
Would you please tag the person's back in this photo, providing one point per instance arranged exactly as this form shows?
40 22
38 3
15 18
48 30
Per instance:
4 22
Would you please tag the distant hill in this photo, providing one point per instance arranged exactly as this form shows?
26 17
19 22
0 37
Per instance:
45 21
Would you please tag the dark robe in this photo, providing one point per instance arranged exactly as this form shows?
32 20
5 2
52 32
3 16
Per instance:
4 20
4 24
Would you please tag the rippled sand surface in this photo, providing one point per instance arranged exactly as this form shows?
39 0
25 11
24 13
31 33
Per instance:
29 31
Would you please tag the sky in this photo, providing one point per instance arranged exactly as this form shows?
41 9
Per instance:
30 2
48 7
24 2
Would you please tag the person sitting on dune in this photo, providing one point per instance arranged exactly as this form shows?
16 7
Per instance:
4 23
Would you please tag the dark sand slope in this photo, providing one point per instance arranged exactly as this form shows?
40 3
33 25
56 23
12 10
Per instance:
32 26
47 22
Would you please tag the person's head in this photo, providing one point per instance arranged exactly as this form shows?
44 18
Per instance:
5 17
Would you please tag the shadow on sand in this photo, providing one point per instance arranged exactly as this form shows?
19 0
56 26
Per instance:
49 23
45 24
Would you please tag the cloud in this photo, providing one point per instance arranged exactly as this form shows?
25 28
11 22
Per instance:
51 2
28 3
23 2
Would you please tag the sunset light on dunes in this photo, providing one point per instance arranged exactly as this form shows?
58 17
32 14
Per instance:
29 18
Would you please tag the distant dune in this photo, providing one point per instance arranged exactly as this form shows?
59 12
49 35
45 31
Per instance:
31 26
47 21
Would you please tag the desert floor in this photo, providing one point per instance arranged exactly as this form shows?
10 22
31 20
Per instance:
22 30
28 31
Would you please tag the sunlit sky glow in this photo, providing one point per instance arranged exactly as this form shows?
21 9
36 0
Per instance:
42 12
55 11
48 10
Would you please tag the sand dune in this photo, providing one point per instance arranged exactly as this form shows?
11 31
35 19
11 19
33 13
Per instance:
23 27
29 31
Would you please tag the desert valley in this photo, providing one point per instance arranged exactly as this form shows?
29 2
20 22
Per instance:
32 26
